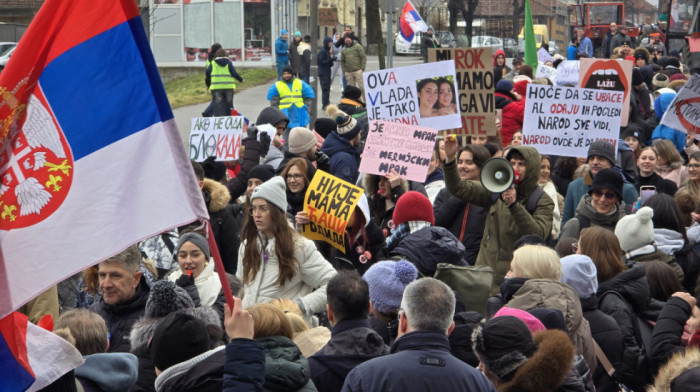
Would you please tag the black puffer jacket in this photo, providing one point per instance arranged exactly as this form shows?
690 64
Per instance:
121 317
286 369
606 333
224 226
449 213
624 297
666 338
429 246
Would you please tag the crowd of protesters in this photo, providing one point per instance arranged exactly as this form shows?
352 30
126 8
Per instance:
573 279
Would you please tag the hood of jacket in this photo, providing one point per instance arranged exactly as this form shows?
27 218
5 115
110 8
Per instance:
532 174
677 365
222 61
286 369
204 372
547 368
271 116
429 246
326 41
141 333
112 372
216 195
335 143
585 208
668 241
371 184
661 103
501 52
632 285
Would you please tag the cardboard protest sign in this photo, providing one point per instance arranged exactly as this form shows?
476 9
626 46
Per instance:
330 202
545 71
565 121
567 73
216 136
611 75
543 56
407 149
475 86
683 113
410 95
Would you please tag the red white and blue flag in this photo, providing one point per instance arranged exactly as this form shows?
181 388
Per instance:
410 23
90 158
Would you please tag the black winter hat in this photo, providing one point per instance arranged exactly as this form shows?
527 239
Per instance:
324 126
262 172
288 70
165 298
177 338
503 344
352 92
603 149
610 179
637 77
215 170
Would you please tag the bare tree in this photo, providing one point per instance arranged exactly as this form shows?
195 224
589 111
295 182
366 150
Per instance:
466 8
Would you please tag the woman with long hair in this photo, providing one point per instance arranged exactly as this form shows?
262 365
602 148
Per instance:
274 261
447 100
647 164
670 163
297 175
427 97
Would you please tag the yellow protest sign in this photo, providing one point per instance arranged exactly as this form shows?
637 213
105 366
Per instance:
329 201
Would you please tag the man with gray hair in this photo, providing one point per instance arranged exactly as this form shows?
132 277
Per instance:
420 357
124 296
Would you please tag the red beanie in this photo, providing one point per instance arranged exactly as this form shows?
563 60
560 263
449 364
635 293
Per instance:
520 87
413 206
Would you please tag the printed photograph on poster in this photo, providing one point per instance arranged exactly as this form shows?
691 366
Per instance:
216 136
564 121
410 95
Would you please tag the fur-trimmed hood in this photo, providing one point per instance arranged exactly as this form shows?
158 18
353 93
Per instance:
218 195
371 183
141 333
546 370
677 365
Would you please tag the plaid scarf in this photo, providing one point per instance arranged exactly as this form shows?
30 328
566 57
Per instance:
403 230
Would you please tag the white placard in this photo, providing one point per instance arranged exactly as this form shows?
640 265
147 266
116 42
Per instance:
567 73
217 136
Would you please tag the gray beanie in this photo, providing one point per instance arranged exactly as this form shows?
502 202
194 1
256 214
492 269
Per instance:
196 239
579 272
603 149
274 191
165 298
301 140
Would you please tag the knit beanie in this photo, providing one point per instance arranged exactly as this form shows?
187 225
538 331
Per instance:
196 239
352 92
413 206
610 179
503 344
660 80
297 33
579 272
301 140
636 230
178 338
261 172
165 298
288 70
274 191
213 169
531 321
504 85
603 149
324 126
283 32
387 280
348 127
637 78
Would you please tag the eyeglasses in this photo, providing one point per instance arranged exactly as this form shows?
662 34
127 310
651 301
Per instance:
263 210
694 166
608 195
295 177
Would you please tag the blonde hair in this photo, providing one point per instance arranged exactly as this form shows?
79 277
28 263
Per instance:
88 329
268 320
293 313
537 262
297 322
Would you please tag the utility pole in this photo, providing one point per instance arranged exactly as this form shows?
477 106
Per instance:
314 62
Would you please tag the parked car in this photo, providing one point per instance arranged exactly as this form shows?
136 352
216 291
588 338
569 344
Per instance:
446 39
400 46
6 50
510 46
487 41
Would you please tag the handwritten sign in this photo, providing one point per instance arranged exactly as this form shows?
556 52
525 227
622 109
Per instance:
567 73
683 113
216 136
475 86
328 17
268 129
545 71
422 94
543 56
565 121
407 149
330 202
611 75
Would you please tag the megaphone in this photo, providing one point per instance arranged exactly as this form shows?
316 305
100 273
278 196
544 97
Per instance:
498 175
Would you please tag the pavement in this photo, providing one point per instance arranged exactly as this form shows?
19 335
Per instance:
251 101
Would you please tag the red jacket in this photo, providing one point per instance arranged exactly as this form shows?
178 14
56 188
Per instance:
512 120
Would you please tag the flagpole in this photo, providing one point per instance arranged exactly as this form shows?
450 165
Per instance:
219 265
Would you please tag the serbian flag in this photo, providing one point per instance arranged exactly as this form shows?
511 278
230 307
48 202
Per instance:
410 23
31 357
90 158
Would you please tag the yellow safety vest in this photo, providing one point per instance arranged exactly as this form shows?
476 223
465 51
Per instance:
221 78
289 98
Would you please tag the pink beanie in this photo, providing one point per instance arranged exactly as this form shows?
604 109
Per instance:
531 321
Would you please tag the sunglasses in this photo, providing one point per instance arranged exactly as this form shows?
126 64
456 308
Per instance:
608 195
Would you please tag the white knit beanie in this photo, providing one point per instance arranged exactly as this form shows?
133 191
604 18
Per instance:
635 231
274 191
301 140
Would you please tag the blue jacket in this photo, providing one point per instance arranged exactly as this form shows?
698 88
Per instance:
298 117
571 52
581 186
244 369
344 158
325 59
661 103
586 46
419 361
282 50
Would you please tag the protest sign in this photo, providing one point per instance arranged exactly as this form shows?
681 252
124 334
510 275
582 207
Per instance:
565 121
567 73
612 75
407 149
410 95
269 130
683 113
216 136
328 17
545 71
475 87
543 56
330 202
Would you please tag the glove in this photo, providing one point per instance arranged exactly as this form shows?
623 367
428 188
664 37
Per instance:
184 281
264 143
322 161
252 132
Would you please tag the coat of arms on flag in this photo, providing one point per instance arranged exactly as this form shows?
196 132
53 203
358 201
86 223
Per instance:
410 23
